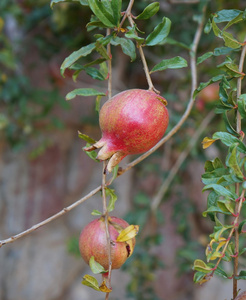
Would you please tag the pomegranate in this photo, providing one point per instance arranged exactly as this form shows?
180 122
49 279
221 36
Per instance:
131 122
93 242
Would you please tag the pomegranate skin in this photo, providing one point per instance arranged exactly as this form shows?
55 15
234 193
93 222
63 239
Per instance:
93 242
131 122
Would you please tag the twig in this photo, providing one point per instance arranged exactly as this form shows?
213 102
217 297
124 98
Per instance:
189 106
164 187
52 218
109 68
238 121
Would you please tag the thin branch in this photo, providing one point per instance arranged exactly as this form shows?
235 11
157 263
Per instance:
109 67
52 218
238 121
164 187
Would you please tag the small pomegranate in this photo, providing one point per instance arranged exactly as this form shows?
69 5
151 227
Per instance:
131 122
93 242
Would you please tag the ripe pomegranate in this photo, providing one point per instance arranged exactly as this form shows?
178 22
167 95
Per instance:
208 95
241 296
93 242
131 122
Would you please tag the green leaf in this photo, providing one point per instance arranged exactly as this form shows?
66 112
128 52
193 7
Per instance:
233 163
82 2
220 190
131 34
86 92
202 85
116 8
238 18
172 63
228 140
96 268
214 209
96 212
199 277
242 105
76 55
94 73
240 227
230 41
204 57
112 200
242 275
91 282
149 11
160 32
221 272
216 29
226 15
86 138
127 46
103 11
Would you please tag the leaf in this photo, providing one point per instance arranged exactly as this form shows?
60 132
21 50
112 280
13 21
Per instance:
76 55
86 92
103 287
228 139
112 200
94 73
149 11
116 8
127 46
131 34
204 57
233 163
214 209
242 105
86 138
202 85
96 268
172 63
226 15
200 266
128 233
221 272
159 33
103 11
96 213
242 275
199 277
91 282
240 227
220 190
207 142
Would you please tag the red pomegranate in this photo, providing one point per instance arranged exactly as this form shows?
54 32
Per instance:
131 122
93 242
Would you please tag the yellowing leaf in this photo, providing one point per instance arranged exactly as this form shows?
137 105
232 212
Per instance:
215 255
91 281
200 266
128 233
103 288
207 142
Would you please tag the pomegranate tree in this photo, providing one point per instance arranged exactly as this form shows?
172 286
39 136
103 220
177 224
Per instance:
131 122
93 242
